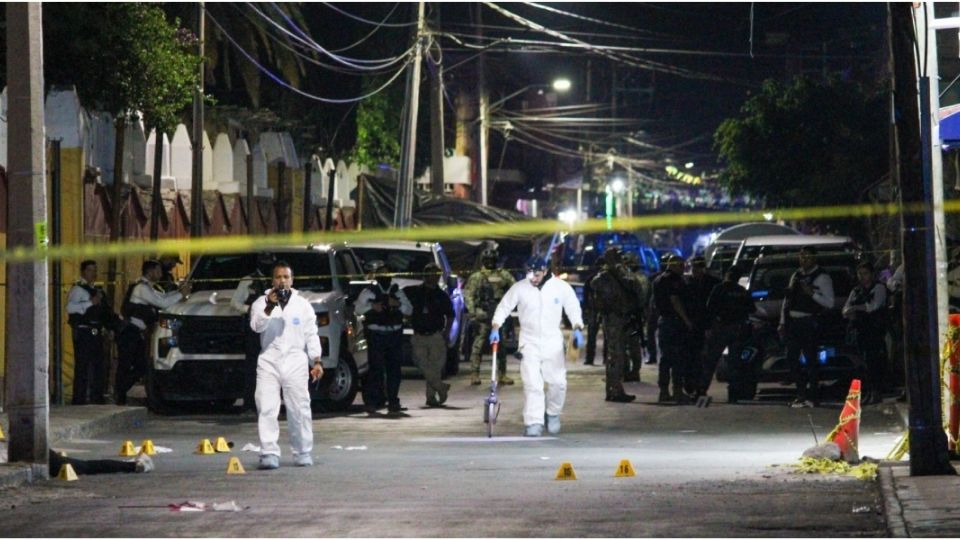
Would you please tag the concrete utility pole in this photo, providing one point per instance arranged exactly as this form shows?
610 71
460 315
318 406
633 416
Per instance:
27 284
403 211
928 444
436 130
196 187
484 98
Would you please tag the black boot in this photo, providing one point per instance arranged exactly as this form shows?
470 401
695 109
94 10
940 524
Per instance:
665 396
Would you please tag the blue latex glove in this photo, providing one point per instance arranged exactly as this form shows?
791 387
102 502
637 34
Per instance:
577 338
494 336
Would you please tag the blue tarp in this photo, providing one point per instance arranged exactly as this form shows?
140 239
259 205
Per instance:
950 131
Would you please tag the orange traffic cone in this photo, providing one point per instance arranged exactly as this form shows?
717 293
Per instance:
847 433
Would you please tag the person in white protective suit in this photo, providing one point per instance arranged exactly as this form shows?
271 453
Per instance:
288 340
541 300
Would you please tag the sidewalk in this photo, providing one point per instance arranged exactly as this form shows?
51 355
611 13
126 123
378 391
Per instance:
69 422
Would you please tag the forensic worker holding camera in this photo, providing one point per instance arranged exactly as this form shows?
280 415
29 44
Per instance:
290 354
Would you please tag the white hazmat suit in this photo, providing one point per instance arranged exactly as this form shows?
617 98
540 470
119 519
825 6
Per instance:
541 341
288 340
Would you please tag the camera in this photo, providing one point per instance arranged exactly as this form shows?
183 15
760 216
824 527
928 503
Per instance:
283 295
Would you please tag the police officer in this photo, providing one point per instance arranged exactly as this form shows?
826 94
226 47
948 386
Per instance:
637 323
383 306
141 308
483 291
616 292
674 329
727 313
250 288
809 293
699 285
168 262
866 309
652 316
90 315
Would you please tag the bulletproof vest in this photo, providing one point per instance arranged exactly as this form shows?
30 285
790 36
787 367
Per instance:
611 292
799 301
734 303
146 313
665 284
389 316
863 296
94 315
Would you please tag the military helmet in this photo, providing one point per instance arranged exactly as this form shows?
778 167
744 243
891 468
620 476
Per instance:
489 258
613 255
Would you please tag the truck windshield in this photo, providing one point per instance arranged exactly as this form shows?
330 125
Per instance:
311 270
399 261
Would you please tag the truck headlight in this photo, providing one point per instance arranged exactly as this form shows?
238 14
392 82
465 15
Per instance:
170 323
323 319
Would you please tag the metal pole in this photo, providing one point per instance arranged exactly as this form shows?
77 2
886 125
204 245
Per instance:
330 186
251 203
57 315
28 350
155 203
484 110
436 130
196 191
307 203
403 211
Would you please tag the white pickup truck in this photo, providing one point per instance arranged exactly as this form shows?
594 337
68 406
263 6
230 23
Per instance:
197 351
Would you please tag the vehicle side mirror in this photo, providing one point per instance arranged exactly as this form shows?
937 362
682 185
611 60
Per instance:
356 287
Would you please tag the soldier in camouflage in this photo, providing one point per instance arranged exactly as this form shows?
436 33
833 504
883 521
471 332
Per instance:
617 294
636 323
482 293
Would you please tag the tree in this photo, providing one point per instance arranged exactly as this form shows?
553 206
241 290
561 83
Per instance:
806 143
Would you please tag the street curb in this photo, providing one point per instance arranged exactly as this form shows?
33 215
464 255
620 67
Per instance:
892 508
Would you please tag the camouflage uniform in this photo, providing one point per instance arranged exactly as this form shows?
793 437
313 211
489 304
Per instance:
482 293
617 293
635 338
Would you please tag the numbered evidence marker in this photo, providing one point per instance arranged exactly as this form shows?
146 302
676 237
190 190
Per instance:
566 472
235 467
625 469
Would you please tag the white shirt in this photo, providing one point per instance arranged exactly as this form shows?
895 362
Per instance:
878 299
367 296
289 331
78 300
541 309
145 294
822 294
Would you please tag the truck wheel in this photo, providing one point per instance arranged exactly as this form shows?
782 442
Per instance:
340 384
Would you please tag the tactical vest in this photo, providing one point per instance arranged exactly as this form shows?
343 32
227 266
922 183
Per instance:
146 313
799 301
875 320
389 316
94 315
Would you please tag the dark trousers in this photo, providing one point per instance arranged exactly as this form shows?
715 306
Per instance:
90 466
614 334
803 337
693 371
673 352
651 336
384 352
131 361
871 348
90 365
724 336
593 328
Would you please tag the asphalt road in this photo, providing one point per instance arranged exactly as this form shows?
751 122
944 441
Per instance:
720 471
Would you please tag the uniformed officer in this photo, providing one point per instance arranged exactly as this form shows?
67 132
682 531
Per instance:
383 306
90 315
637 323
483 291
728 310
809 293
674 328
616 292
699 285
141 308
866 308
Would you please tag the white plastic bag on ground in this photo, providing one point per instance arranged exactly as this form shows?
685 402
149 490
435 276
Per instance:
826 450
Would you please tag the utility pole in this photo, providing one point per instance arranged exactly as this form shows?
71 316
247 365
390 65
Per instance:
402 213
436 128
928 444
28 350
484 98
196 187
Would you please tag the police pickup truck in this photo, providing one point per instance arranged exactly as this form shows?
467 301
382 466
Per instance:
197 351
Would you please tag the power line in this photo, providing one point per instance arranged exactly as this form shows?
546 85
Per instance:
288 86
361 19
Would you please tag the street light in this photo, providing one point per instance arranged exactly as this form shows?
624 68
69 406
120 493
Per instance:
560 85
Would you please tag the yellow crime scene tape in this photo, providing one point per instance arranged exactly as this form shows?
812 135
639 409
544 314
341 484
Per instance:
229 244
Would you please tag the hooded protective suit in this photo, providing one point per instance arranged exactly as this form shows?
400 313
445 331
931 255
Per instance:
288 340
541 341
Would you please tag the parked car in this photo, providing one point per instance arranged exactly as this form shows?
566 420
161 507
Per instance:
723 245
197 350
408 259
765 354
